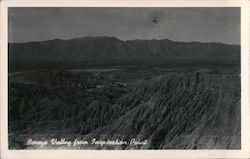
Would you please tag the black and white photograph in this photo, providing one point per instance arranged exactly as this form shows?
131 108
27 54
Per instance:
124 79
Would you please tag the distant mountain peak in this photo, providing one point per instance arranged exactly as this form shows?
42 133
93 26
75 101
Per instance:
96 38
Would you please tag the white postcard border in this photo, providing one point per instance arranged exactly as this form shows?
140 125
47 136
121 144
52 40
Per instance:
54 154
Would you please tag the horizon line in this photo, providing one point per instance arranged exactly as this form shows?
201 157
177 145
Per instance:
85 37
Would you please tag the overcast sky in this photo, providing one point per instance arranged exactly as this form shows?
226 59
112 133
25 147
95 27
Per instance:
177 24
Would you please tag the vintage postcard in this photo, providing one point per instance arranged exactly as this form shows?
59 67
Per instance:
124 79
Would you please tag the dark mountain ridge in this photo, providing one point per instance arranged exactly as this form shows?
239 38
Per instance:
110 49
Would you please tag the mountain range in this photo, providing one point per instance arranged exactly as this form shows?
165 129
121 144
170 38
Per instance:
107 50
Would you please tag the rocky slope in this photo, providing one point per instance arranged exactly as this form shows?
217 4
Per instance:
193 110
179 111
